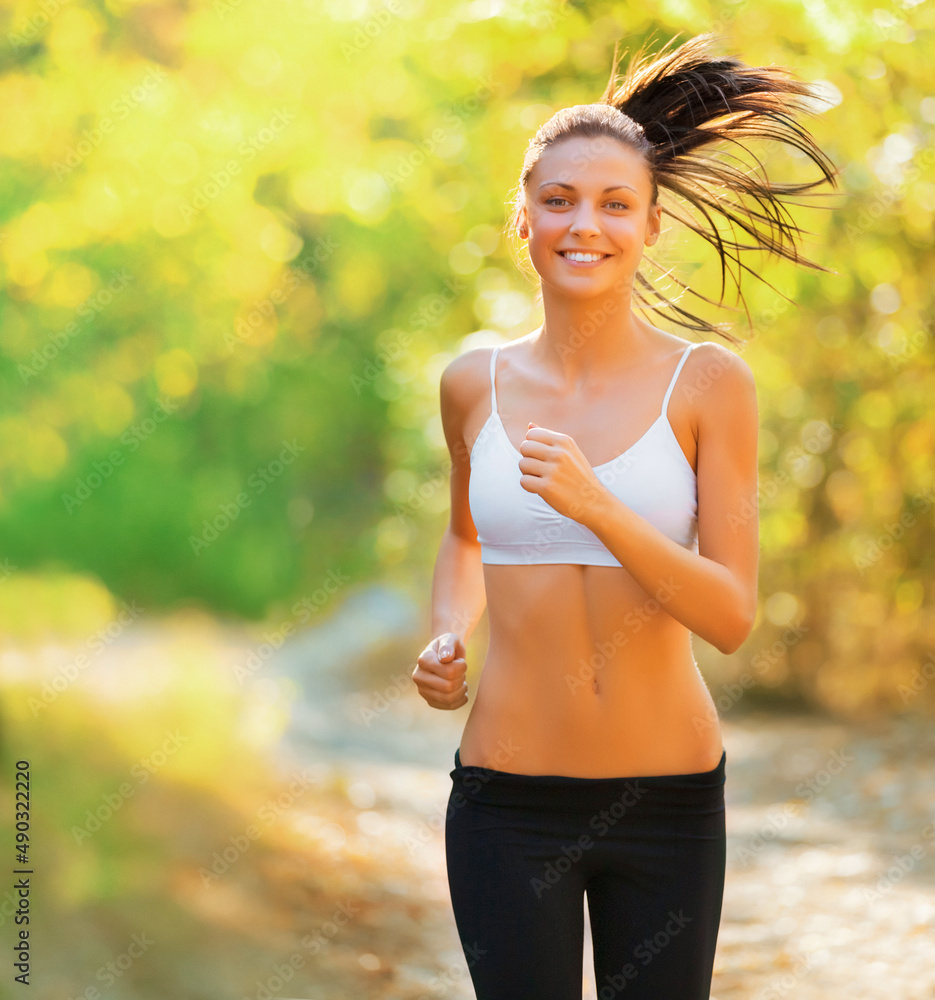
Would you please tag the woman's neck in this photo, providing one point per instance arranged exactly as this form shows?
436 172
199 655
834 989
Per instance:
582 338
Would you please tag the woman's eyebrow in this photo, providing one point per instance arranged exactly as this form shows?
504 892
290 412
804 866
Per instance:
571 187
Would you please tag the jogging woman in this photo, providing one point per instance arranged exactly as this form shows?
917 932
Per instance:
603 507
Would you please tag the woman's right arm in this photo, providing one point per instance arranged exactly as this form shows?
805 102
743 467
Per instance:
458 593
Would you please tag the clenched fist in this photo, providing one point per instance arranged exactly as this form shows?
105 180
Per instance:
440 673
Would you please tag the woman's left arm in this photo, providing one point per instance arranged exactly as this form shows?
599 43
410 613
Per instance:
714 591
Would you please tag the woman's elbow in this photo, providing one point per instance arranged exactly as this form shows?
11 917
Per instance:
732 638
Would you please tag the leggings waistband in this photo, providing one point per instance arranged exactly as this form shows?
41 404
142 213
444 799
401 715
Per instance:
475 774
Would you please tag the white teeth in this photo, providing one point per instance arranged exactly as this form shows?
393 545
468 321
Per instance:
583 256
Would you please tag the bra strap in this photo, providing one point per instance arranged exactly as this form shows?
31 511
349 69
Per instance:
678 368
493 387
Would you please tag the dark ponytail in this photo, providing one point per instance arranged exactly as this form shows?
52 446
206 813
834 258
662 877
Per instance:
672 104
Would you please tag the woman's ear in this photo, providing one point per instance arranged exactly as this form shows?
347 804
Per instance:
523 225
654 224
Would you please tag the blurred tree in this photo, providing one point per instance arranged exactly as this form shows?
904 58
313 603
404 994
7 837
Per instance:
240 243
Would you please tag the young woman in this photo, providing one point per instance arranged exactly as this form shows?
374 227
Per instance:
603 506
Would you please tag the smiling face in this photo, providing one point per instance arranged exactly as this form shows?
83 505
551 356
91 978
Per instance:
593 196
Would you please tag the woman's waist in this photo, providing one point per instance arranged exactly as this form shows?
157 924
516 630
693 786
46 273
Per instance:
649 722
543 700
622 747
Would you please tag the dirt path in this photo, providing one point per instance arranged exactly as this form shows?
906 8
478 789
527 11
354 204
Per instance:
830 886
341 891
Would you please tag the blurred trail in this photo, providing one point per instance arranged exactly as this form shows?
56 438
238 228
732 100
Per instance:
341 888
831 848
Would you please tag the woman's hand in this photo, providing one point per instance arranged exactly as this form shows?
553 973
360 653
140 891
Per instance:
553 466
441 670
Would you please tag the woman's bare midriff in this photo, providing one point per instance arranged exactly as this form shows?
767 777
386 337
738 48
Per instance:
587 675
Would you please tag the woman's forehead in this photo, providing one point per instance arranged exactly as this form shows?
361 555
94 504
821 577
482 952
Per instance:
581 161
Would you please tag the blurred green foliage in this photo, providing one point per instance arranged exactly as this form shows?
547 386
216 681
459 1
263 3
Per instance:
143 777
240 241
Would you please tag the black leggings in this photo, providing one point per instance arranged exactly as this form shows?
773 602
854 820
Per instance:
650 852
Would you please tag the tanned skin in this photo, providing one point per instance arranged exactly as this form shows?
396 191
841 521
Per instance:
589 669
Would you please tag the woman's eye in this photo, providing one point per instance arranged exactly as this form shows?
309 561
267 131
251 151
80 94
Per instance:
611 204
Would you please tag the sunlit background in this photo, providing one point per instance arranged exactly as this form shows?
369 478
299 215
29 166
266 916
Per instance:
239 243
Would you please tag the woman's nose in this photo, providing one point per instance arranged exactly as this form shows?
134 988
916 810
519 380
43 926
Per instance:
584 219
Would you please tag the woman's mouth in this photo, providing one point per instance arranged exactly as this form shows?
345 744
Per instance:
583 258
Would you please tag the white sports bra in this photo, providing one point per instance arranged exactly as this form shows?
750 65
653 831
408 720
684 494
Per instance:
652 477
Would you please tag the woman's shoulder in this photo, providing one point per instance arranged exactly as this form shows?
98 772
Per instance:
716 358
711 364
469 372
465 381
465 373
703 353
